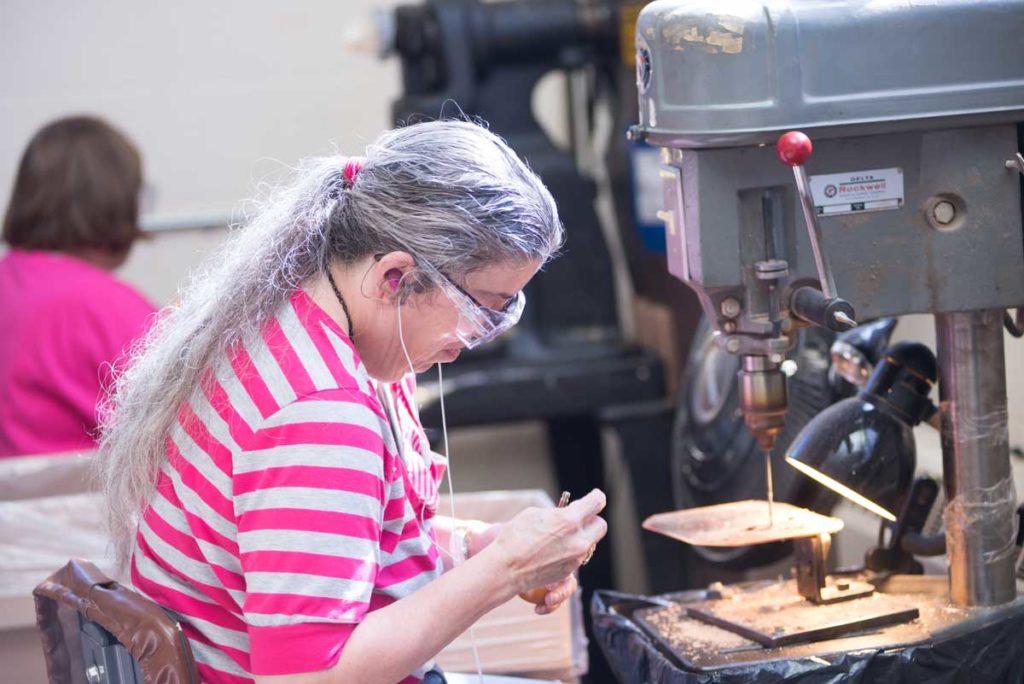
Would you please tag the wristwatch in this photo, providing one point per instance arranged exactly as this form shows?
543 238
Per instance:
459 544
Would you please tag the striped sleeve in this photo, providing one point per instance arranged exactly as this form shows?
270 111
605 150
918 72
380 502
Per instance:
309 495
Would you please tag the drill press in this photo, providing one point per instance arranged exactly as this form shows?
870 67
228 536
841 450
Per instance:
910 203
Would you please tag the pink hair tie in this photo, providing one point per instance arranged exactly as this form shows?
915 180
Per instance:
351 170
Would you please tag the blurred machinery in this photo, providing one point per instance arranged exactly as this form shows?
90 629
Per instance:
568 363
910 203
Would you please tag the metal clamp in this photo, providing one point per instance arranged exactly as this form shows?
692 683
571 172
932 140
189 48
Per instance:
812 579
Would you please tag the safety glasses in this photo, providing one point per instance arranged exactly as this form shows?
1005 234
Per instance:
479 323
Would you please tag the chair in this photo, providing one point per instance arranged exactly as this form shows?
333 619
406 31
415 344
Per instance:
97 631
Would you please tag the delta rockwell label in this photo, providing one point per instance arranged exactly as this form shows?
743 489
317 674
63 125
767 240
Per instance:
856 191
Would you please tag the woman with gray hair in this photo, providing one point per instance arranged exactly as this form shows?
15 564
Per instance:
264 465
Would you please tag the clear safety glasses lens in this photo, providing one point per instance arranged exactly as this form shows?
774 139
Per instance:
479 324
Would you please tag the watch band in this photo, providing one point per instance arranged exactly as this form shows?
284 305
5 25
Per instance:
459 544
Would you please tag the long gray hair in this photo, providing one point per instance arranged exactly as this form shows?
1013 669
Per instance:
450 193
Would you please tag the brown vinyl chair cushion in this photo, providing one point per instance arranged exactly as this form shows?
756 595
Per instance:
143 627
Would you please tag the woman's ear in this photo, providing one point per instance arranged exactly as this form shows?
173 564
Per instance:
389 271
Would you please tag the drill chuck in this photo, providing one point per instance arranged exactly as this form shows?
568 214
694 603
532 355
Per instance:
763 398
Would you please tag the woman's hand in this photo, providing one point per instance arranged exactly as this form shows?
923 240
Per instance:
557 594
541 547
549 598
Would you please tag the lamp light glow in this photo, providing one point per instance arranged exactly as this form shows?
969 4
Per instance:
841 489
862 447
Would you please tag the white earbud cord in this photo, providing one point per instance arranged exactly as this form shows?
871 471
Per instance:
448 475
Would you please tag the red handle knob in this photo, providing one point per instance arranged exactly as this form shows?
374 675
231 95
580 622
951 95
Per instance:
794 148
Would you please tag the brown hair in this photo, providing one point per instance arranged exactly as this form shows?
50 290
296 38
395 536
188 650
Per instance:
77 190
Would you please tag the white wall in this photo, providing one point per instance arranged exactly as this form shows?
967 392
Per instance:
210 90
216 95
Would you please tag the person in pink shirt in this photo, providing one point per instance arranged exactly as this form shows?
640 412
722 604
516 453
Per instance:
266 474
72 219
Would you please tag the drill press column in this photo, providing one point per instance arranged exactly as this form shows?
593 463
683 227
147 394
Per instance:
979 514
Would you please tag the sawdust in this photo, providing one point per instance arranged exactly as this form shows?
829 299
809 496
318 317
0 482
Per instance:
691 637
705 647
778 609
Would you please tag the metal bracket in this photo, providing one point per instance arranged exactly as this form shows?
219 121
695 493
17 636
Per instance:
751 345
812 580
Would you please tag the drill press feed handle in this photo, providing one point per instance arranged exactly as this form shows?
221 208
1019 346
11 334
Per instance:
794 149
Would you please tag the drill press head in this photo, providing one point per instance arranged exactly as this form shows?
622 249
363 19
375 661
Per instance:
896 212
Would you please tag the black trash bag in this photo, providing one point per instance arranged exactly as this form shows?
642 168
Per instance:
992 654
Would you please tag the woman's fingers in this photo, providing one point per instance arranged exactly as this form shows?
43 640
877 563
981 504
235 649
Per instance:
561 592
594 530
541 545
583 510
568 582
557 594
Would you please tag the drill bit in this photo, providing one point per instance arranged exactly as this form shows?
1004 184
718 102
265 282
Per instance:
771 487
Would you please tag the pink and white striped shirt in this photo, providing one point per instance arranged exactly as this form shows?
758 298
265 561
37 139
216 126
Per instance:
285 511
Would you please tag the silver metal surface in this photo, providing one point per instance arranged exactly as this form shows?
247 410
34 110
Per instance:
850 363
845 320
885 263
763 398
730 307
976 460
803 189
944 212
1016 164
737 72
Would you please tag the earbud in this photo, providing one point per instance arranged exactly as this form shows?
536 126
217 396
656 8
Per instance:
394 276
